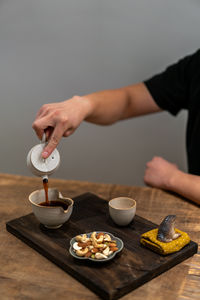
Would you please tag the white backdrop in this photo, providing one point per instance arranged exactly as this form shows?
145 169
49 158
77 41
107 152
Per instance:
51 50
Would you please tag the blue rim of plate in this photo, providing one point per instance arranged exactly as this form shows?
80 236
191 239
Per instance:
120 246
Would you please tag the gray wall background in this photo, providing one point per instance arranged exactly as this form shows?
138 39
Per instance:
51 50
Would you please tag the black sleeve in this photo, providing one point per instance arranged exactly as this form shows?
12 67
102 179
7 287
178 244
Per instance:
171 88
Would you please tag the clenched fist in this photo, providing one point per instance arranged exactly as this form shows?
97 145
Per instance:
159 173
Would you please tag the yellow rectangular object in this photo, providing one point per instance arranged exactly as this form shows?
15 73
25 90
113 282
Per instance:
149 240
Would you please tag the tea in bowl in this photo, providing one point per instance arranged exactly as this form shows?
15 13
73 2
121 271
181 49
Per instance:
54 214
122 210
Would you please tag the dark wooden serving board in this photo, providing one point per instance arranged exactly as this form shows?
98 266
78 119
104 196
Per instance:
131 268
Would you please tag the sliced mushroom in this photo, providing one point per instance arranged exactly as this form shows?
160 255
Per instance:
99 255
106 251
82 238
107 238
85 239
76 246
82 252
100 239
96 245
94 239
93 236
78 238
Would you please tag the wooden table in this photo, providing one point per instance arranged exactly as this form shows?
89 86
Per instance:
20 279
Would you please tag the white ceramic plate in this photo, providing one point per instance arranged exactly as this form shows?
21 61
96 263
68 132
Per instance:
119 243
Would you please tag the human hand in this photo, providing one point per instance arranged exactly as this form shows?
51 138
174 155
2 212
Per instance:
60 119
159 173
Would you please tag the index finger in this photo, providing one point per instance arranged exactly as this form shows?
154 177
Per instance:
39 128
53 141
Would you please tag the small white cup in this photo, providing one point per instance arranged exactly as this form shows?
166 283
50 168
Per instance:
122 210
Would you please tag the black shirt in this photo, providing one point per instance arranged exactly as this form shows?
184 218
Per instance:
178 87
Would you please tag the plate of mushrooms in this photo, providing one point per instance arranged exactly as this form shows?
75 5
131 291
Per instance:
97 246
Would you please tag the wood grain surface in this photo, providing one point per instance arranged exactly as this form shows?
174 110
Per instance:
111 280
25 274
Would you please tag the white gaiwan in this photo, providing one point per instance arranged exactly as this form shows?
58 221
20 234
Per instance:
49 216
40 166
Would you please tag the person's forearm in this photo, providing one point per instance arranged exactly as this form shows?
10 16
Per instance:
109 106
163 174
186 185
106 107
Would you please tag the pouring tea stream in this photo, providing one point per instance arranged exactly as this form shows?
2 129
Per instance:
57 209
43 167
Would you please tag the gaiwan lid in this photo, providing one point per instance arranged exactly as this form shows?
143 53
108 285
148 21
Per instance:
40 166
